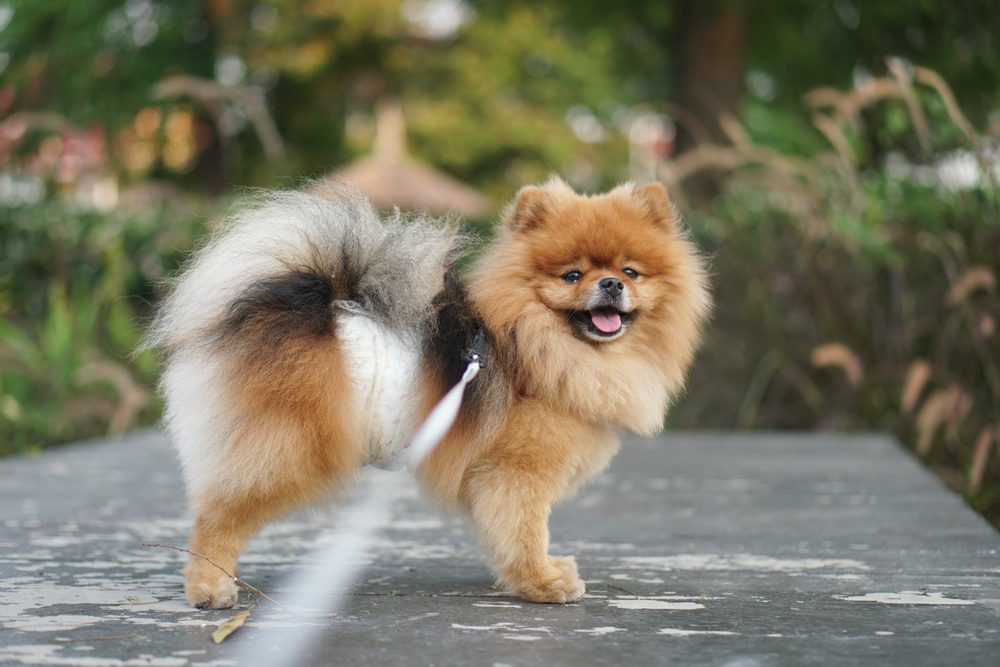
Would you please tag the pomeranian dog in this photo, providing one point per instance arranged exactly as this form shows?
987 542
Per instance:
311 336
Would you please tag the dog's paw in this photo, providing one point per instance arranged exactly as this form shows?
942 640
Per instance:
216 591
565 564
559 582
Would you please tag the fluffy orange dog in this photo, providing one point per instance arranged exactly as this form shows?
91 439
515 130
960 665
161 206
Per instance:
311 336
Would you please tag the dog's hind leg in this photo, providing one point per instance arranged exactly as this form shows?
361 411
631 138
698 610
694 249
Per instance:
222 528
271 478
293 444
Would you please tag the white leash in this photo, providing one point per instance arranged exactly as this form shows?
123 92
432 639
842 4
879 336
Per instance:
324 584
441 418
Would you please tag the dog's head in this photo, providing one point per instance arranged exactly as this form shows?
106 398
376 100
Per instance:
594 291
604 263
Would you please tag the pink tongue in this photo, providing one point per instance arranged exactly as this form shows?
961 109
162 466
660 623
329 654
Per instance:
607 321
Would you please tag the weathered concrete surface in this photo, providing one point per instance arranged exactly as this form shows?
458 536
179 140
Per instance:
743 550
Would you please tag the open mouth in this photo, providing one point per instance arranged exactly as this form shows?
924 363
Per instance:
601 323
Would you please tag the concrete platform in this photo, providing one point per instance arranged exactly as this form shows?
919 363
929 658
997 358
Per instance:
698 550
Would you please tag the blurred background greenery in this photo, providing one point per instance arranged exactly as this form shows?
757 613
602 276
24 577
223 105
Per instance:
837 159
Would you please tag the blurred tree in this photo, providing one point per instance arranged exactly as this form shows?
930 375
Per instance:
802 44
710 66
496 92
486 90
95 61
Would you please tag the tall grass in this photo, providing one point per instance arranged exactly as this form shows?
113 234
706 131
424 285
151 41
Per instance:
854 293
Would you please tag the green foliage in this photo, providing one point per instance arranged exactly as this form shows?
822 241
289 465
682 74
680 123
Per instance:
96 61
75 286
509 127
803 44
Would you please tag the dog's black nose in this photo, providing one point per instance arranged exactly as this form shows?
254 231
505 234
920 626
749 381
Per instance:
612 286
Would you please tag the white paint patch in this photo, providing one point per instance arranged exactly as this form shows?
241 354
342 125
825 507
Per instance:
53 623
19 597
741 562
505 626
522 638
884 633
659 605
498 605
908 597
49 654
597 632
418 617
674 596
677 632
55 541
579 545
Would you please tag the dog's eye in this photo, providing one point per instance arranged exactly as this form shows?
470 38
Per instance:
630 272
571 276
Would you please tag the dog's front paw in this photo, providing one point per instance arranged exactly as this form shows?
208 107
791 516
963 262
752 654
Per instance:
566 564
558 582
210 590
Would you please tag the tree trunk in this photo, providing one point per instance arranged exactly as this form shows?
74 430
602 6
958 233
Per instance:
710 63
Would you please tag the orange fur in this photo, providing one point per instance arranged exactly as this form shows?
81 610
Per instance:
295 440
551 416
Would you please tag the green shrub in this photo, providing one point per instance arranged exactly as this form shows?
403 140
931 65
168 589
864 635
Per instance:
74 288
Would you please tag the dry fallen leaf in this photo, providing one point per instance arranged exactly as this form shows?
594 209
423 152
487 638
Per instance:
230 625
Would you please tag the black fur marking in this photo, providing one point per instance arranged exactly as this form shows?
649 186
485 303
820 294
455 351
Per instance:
454 331
290 305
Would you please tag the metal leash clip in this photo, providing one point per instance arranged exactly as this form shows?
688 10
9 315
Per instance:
477 349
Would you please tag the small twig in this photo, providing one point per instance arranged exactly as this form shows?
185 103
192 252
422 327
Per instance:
623 590
249 589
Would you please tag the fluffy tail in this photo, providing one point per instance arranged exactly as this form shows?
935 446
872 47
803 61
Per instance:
271 273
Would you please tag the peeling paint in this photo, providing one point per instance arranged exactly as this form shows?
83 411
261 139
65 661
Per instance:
742 561
677 632
660 605
50 654
505 626
674 596
907 597
597 632
70 576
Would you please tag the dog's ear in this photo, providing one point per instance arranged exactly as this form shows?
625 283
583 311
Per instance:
656 202
528 210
